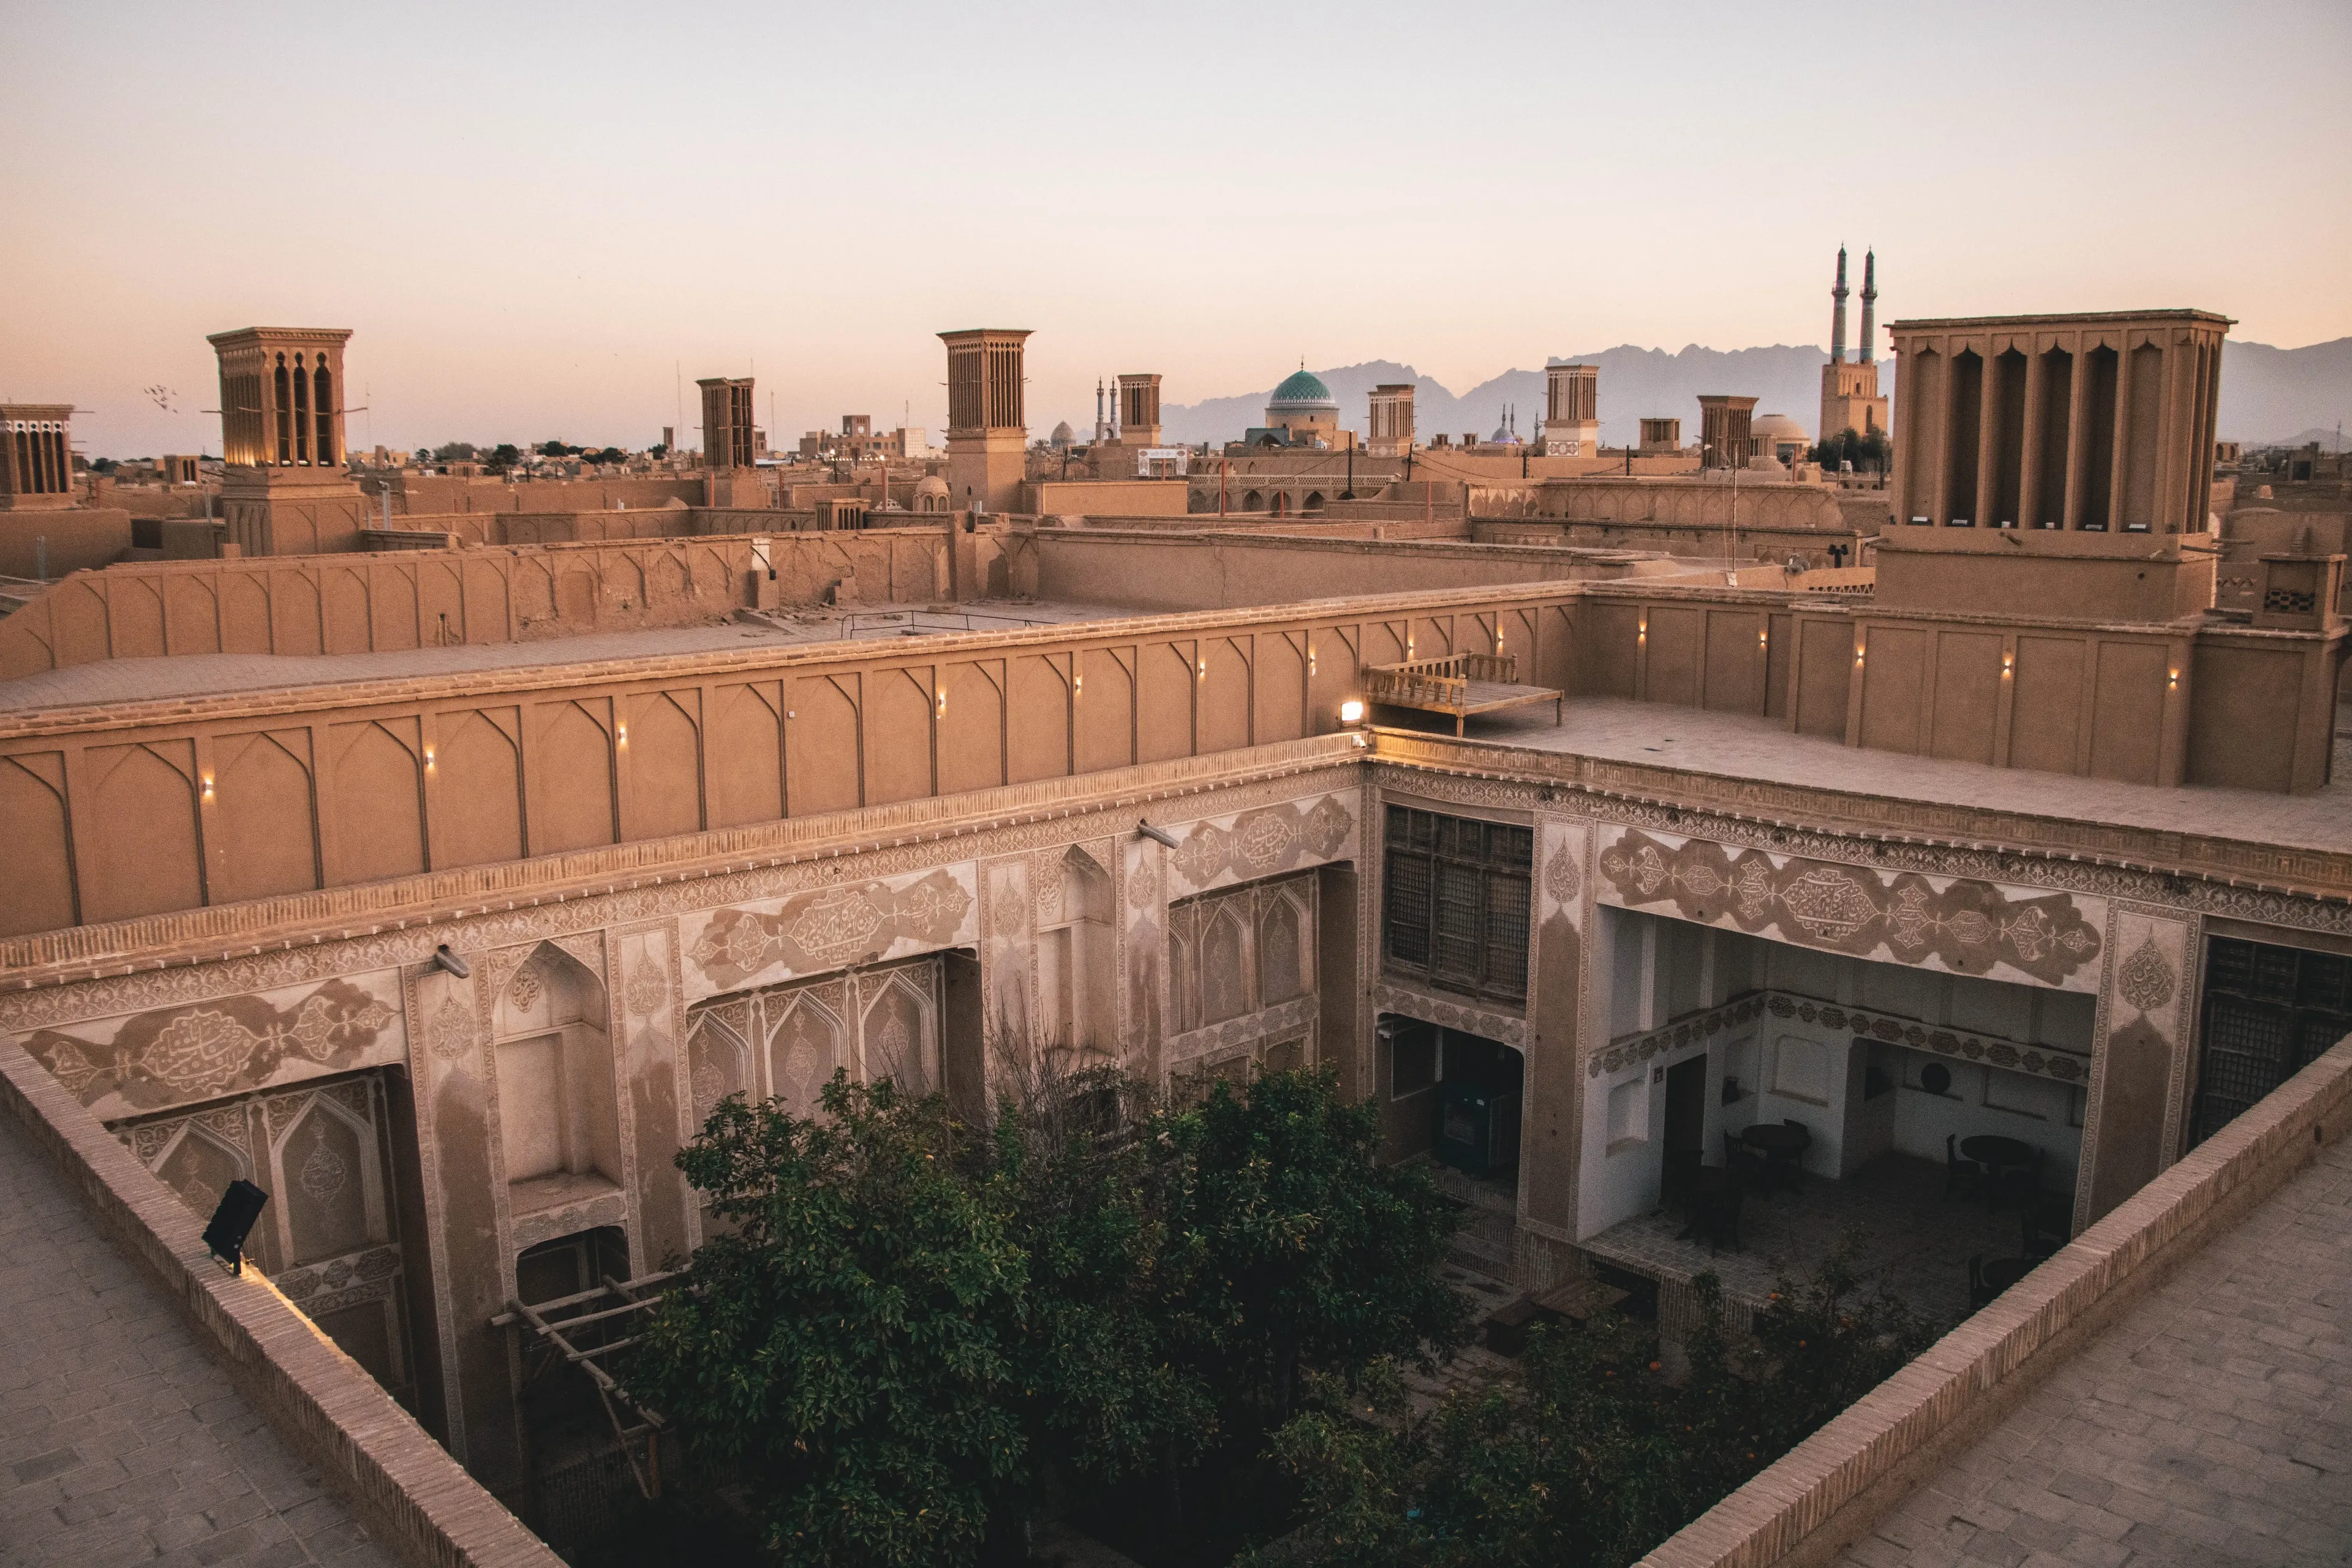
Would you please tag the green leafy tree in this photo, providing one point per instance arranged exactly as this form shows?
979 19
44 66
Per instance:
1584 1457
850 1346
1302 1251
504 456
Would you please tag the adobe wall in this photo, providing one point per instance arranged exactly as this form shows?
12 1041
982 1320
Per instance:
1812 545
432 598
1129 497
80 538
1152 571
437 493
1999 571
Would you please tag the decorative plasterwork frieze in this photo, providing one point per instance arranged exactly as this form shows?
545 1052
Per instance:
580 917
1710 815
1290 1017
1692 1031
1469 1018
568 1219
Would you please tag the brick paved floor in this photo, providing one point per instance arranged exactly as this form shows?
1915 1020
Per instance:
2211 1424
1911 1241
119 1442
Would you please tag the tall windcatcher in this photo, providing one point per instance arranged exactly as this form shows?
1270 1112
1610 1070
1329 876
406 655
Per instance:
1837 316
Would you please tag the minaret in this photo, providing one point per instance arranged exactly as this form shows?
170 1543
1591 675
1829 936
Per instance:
1837 317
1869 306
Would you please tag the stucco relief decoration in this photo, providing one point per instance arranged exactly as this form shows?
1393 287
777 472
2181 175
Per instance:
524 988
200 1052
322 1172
2144 979
825 930
2043 1061
1675 1036
450 1031
1511 1031
1142 885
1965 926
1562 878
1263 842
367 1268
648 992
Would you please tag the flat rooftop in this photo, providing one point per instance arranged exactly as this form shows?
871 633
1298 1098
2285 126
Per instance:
2210 1424
1747 746
208 674
119 1440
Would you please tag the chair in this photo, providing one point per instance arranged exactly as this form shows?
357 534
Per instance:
1959 1176
2048 1221
1715 1216
1980 1292
1741 1159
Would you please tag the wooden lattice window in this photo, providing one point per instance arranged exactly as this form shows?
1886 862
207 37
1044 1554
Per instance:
2269 1012
1455 907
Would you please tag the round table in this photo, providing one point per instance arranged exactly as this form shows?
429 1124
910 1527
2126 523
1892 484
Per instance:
1997 1154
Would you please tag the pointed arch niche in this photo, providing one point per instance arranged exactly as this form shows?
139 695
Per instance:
559 1124
1077 960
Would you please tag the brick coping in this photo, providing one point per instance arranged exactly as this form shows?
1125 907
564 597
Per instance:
405 1487
1829 1490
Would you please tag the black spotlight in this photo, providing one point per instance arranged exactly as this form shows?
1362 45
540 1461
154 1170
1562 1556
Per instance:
232 1221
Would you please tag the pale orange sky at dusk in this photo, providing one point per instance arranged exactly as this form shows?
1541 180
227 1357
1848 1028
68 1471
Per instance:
531 215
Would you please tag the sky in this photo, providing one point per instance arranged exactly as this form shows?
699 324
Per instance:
538 220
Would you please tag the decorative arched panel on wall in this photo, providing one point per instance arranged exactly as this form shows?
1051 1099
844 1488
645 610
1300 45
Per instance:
324 1162
478 795
1104 709
296 623
901 1034
663 756
1037 719
144 838
971 728
572 764
244 613
36 890
262 817
1164 701
718 1061
191 615
376 786
746 746
821 739
1223 675
391 604
805 1041
1280 688
899 711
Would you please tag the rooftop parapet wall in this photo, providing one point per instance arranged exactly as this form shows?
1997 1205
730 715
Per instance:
416 1500
432 598
2008 570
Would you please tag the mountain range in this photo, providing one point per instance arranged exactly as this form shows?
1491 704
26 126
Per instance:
2268 395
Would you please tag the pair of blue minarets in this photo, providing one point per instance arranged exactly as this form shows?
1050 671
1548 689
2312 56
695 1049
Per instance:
1869 309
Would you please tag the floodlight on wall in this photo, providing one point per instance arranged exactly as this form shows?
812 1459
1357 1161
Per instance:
1351 711
1159 835
232 1222
449 963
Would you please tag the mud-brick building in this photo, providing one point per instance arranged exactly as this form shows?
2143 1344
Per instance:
451 942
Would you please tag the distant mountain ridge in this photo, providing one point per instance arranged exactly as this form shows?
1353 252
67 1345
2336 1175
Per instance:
2267 393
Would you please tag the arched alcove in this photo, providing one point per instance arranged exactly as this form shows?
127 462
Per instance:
559 1123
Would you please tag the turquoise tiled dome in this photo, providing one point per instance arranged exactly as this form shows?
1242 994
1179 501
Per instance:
1302 389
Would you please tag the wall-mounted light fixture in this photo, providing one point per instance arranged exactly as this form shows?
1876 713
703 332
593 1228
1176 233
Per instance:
208 787
1159 835
2172 679
942 697
1351 711
1642 629
428 756
1857 656
2008 666
622 731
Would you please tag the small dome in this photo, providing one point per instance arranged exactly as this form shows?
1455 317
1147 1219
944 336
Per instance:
1777 427
1302 389
932 485
1063 435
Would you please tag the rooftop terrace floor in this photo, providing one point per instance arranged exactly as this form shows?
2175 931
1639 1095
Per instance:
1745 746
119 1441
206 674
2212 1423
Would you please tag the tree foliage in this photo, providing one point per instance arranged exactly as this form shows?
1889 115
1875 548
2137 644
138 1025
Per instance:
905 1325
1868 454
1585 1456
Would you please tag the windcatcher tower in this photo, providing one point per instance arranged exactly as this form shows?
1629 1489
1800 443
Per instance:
986 428
1392 411
1571 426
284 490
1138 410
36 456
727 423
